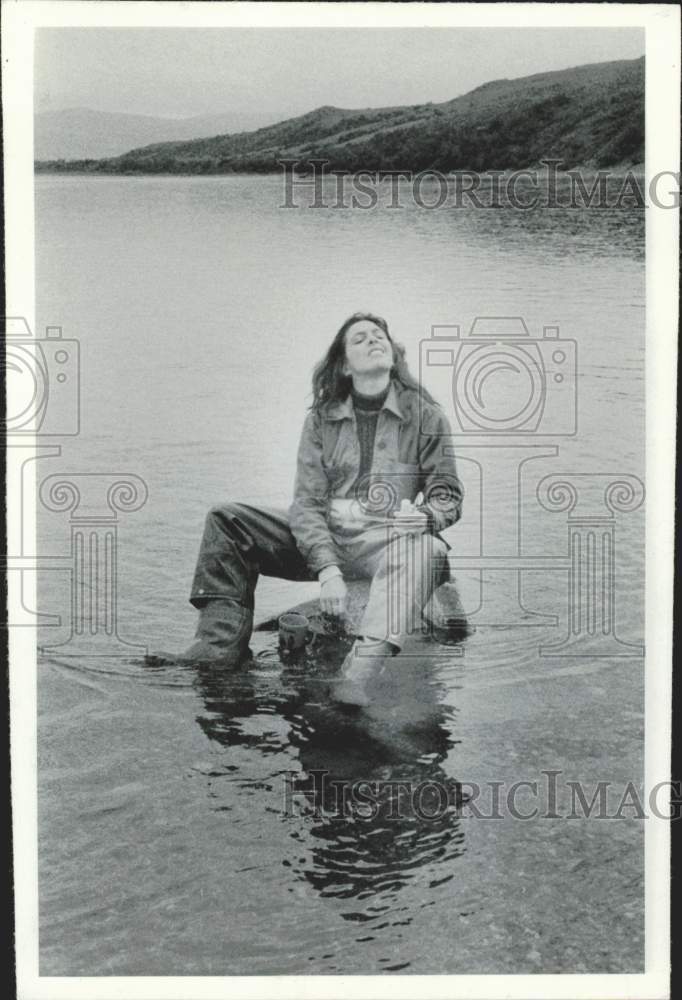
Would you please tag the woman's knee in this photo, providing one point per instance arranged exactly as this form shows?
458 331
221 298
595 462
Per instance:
221 523
435 547
427 547
222 511
426 552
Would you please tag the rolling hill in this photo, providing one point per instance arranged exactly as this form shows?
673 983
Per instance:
589 115
80 133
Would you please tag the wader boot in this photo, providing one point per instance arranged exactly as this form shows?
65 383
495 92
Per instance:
222 637
361 669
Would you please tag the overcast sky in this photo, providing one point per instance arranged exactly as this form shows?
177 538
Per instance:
179 72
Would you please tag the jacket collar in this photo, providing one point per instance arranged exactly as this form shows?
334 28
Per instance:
344 410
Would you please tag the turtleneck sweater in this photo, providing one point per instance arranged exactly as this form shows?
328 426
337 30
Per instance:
367 409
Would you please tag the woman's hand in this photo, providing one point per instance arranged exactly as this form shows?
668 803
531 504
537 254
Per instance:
333 594
344 513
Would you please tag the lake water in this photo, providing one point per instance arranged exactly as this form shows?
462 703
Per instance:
167 843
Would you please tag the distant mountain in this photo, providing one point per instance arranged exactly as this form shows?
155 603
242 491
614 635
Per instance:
589 116
81 133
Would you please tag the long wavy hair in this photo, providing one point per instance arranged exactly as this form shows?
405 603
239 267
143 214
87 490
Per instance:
330 385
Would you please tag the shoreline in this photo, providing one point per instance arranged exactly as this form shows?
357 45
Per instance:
619 171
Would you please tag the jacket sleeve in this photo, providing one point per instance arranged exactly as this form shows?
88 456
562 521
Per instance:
443 492
308 512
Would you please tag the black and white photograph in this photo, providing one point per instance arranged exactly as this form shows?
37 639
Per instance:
341 349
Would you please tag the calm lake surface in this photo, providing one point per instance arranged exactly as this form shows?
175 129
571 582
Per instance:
167 843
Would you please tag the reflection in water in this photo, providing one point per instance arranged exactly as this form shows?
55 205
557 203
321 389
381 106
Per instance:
370 798
383 808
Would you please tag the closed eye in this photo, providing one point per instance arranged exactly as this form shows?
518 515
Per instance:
361 336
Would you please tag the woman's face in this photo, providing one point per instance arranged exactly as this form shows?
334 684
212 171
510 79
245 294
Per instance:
368 349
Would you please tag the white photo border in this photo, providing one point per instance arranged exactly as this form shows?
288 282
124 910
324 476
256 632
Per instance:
662 25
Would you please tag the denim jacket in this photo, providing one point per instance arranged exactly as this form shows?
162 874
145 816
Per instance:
412 453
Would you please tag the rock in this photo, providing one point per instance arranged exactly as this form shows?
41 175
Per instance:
444 614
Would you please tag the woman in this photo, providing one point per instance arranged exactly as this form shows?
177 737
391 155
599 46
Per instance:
373 439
